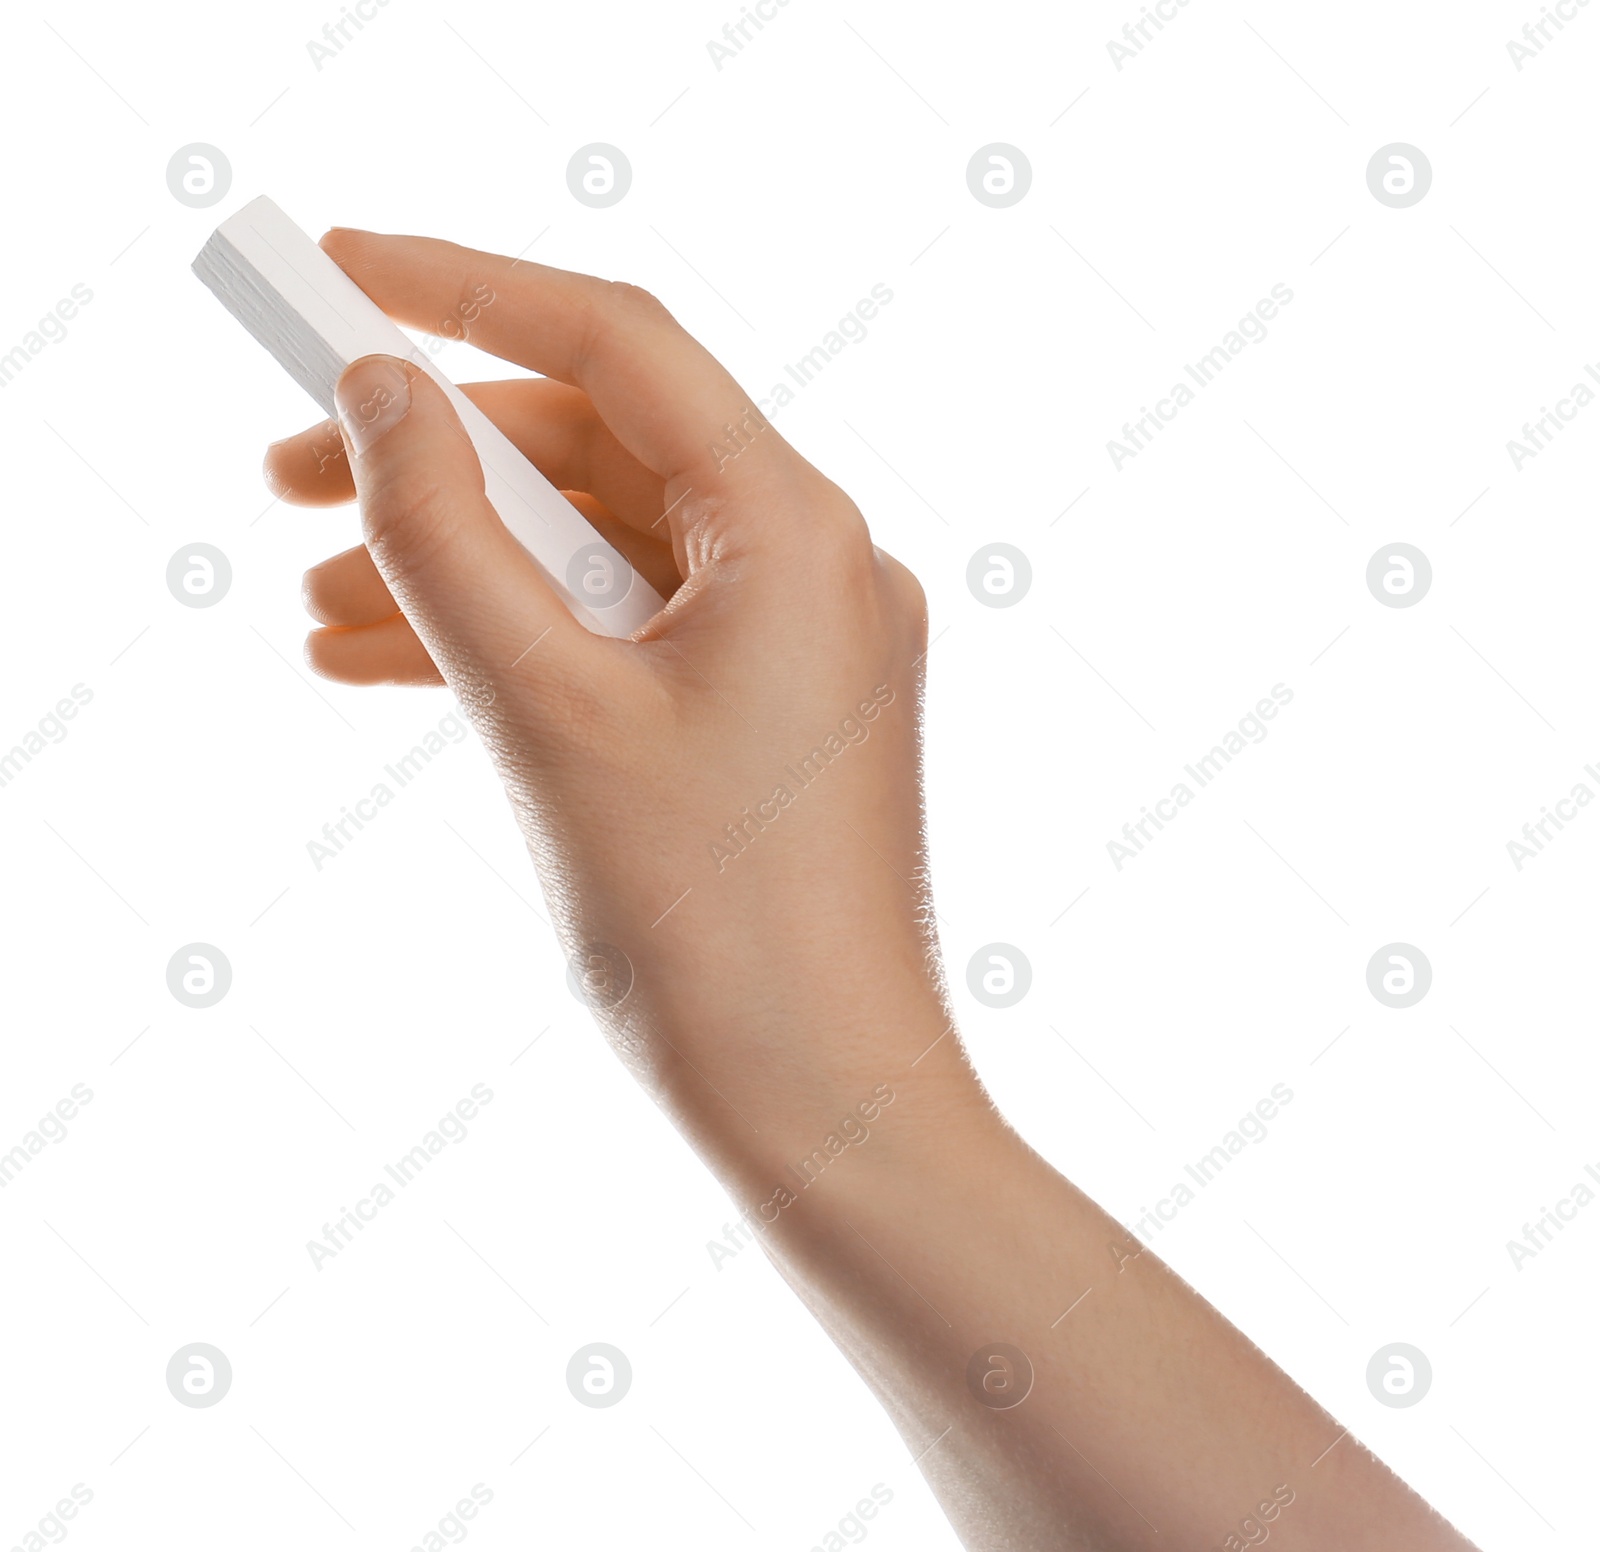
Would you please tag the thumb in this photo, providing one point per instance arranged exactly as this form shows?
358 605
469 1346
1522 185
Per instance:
476 598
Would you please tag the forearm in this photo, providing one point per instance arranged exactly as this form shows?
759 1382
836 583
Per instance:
1150 1421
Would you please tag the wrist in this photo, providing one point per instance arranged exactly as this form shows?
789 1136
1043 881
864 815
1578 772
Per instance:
763 1064
848 1130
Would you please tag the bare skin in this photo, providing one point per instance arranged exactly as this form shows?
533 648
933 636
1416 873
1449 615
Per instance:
785 989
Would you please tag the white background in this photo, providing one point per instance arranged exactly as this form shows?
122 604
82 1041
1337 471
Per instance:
768 198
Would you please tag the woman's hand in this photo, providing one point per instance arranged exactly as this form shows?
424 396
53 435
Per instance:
725 810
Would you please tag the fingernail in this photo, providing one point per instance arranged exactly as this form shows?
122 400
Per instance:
372 396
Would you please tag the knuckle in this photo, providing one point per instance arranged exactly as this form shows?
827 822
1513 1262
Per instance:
838 538
909 596
627 300
617 309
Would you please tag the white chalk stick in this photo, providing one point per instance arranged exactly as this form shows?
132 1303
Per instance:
315 320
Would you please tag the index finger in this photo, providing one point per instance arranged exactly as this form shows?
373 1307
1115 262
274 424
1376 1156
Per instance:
663 394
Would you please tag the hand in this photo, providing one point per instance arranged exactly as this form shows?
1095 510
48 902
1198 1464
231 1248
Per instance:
729 802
